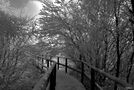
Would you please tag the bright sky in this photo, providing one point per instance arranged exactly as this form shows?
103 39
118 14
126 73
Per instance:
33 8
25 7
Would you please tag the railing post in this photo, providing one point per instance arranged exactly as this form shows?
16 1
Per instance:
66 65
53 79
38 60
92 79
51 63
42 63
82 72
55 76
58 62
48 63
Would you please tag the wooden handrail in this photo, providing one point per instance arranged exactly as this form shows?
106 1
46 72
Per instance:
113 78
64 65
49 77
96 84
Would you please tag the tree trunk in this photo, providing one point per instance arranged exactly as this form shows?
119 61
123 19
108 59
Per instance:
130 65
117 42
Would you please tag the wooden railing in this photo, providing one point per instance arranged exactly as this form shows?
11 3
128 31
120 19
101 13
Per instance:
91 77
93 70
48 81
